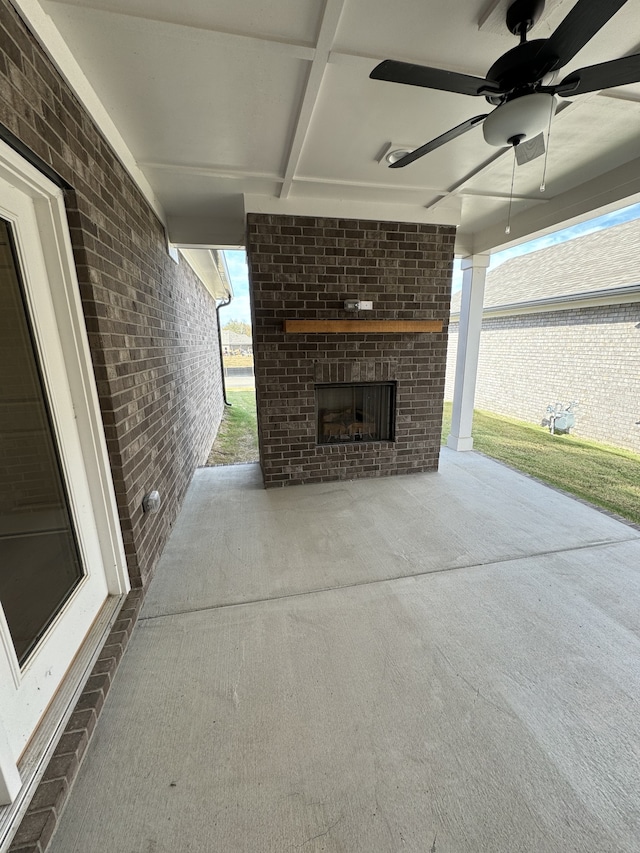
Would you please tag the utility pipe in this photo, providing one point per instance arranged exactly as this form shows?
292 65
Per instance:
224 385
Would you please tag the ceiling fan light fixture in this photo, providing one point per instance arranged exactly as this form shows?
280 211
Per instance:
521 118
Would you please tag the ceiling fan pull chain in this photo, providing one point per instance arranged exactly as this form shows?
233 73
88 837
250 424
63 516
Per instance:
507 230
543 185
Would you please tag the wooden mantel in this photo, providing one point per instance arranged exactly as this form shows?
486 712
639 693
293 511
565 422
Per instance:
310 327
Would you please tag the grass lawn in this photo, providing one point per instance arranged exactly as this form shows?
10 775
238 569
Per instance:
238 361
237 439
606 476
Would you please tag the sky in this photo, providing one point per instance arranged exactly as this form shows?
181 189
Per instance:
240 308
606 221
239 274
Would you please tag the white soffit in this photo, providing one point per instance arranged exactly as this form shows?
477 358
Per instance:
210 269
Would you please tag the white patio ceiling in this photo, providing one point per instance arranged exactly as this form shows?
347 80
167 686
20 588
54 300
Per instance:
267 105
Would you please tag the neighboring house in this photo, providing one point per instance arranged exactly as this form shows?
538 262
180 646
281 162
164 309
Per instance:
236 343
568 319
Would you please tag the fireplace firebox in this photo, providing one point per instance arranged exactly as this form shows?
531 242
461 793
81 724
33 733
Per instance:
350 412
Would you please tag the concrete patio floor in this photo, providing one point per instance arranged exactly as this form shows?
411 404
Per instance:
438 663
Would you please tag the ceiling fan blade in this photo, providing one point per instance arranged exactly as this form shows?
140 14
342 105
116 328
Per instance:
605 75
438 141
579 27
432 78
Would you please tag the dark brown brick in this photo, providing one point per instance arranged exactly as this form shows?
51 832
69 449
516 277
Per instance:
73 743
314 264
36 828
81 721
61 767
50 795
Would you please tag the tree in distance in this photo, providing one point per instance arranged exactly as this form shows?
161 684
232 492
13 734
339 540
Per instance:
240 327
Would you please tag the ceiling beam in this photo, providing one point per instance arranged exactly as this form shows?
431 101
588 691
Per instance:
504 195
615 95
366 61
328 28
348 209
239 174
209 171
149 23
342 182
457 188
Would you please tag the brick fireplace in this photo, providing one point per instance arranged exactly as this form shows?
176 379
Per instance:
304 269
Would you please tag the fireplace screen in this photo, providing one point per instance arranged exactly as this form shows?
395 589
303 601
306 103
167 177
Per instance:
349 413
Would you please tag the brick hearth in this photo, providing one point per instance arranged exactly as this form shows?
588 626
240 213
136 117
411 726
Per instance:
304 268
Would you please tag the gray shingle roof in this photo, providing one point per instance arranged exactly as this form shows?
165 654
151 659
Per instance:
604 260
230 338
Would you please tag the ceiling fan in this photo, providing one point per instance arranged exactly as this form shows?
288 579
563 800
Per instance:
520 84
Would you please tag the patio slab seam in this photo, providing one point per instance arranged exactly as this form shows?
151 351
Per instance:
391 579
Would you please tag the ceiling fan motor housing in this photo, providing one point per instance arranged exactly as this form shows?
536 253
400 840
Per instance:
522 83
519 119
523 14
520 67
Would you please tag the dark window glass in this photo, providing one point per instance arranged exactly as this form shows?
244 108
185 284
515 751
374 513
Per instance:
39 560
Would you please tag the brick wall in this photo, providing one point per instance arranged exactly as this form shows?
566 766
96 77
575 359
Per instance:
304 268
151 323
528 361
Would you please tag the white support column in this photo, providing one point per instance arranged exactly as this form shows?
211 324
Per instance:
474 271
